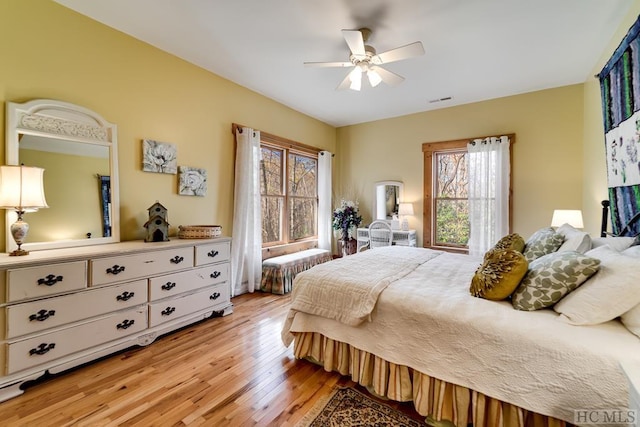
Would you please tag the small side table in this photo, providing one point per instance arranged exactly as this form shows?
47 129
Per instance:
400 237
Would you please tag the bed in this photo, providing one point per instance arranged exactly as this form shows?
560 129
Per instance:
409 330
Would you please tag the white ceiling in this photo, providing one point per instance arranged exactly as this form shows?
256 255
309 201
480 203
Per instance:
475 49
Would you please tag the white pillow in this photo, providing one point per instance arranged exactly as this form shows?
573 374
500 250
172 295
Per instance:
631 319
617 243
612 291
633 251
574 239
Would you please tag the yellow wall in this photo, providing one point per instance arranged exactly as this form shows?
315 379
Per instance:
547 155
595 168
48 51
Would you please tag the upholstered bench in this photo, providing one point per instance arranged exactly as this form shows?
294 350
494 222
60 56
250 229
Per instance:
278 272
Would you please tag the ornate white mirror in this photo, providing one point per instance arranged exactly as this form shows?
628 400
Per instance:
388 194
77 148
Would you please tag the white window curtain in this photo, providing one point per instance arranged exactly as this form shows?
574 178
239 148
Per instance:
324 200
246 246
489 175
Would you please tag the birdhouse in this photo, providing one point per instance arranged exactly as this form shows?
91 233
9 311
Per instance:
157 226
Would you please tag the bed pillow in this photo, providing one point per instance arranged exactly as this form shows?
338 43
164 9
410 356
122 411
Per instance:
551 277
608 294
512 241
633 251
542 242
574 239
498 275
617 243
631 320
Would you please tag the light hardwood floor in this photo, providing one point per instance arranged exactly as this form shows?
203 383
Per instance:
230 371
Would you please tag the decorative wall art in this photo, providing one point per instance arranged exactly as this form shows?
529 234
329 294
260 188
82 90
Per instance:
192 182
160 157
620 90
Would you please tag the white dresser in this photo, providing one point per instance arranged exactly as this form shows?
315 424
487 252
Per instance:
400 237
61 308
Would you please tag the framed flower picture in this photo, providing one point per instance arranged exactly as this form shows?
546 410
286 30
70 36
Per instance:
192 181
160 157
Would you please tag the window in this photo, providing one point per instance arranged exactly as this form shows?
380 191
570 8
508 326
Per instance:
289 192
446 201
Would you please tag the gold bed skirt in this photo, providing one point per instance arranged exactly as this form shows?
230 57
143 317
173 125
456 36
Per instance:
431 397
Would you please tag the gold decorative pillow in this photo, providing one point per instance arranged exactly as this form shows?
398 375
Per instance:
512 241
499 274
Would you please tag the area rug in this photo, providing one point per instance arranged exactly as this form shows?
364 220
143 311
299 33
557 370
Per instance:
347 407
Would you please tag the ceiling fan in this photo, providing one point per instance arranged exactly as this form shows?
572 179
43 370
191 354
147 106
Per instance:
365 60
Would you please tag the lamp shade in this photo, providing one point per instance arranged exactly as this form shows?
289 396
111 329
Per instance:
405 209
571 217
21 187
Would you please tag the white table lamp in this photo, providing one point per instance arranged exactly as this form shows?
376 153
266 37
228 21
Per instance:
21 189
571 217
405 209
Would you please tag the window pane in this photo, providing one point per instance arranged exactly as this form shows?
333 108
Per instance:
271 171
302 176
272 214
302 218
452 222
452 179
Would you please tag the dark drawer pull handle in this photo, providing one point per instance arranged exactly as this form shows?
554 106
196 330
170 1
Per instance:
42 349
42 315
168 311
168 286
50 280
177 259
125 296
215 274
213 253
125 324
215 295
116 269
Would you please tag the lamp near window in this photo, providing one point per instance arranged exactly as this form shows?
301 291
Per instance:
571 217
405 209
21 189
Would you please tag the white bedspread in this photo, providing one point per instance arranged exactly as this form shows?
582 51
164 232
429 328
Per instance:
339 290
427 320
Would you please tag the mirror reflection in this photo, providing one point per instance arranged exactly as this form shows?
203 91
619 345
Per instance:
79 203
77 148
388 195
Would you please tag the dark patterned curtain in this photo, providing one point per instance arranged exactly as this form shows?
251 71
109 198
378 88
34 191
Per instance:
105 198
620 90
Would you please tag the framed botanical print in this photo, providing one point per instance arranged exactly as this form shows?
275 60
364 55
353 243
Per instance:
159 157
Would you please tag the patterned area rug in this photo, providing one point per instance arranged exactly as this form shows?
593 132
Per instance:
347 407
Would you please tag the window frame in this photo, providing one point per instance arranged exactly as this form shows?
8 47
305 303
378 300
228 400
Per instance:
289 147
429 149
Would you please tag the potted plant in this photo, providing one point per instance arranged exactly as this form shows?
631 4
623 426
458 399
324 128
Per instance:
346 219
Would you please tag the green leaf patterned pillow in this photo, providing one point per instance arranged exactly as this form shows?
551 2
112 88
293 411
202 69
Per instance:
542 242
551 277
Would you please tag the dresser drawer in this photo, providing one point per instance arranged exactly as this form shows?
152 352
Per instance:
34 282
213 252
127 267
45 348
47 313
170 309
177 283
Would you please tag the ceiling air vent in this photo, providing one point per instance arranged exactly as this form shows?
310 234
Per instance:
446 98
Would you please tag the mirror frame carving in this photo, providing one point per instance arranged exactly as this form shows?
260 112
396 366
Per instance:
62 120
399 184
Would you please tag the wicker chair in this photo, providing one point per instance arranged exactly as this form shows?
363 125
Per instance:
380 234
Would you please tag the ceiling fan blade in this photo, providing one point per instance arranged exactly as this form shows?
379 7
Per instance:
387 76
345 83
399 53
354 41
328 64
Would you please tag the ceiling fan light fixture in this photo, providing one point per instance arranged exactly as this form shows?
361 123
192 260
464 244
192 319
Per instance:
356 78
374 77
